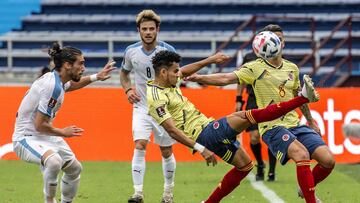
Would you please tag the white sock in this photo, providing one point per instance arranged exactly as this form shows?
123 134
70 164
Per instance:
169 167
69 189
70 181
50 170
138 166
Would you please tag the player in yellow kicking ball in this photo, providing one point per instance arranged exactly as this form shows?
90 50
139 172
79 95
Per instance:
187 125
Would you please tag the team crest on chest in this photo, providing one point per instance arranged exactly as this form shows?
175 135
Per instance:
216 125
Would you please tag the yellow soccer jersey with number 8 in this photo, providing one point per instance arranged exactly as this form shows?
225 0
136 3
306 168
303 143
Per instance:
272 85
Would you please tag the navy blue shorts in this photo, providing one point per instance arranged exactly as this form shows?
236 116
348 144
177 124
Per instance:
220 138
278 140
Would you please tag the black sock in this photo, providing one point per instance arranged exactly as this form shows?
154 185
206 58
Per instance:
272 162
256 149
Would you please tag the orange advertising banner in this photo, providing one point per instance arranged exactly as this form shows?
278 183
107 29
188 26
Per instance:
105 115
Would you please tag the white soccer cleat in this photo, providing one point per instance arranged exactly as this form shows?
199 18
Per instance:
301 195
308 90
167 198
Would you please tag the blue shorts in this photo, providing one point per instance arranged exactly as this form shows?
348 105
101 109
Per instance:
220 138
278 140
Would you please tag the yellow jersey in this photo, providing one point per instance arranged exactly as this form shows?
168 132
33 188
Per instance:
272 85
165 103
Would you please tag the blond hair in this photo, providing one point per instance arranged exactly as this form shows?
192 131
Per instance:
147 15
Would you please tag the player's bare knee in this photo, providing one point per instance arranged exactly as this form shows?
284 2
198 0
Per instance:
140 144
166 152
328 162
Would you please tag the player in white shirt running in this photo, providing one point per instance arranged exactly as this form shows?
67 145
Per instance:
35 138
138 58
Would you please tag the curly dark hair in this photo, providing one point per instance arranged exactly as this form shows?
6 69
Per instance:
164 59
60 56
272 28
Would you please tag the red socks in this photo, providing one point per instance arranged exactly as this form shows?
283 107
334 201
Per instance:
320 173
230 181
274 111
306 180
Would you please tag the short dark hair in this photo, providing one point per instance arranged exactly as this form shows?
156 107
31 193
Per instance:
60 56
272 28
164 59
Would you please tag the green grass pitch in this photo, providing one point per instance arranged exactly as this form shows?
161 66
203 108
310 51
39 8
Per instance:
110 182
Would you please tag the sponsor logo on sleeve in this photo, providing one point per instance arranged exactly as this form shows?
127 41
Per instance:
160 111
52 102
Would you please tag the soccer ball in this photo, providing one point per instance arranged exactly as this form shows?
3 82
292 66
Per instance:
266 45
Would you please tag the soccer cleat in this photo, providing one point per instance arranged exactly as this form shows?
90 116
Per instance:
308 90
260 172
301 195
167 198
136 198
52 200
271 177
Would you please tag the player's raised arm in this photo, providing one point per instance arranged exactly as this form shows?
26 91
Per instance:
86 80
179 136
194 67
217 79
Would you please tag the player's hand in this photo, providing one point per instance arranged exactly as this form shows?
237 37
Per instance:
133 97
72 131
315 127
219 58
104 73
193 78
209 157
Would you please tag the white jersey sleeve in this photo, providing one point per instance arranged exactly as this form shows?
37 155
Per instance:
45 95
49 96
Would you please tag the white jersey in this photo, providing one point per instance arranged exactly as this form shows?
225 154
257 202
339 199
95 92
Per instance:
135 58
45 95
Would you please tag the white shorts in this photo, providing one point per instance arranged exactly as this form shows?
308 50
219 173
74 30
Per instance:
142 126
31 149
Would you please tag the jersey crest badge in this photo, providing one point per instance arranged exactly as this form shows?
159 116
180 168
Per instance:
52 102
160 111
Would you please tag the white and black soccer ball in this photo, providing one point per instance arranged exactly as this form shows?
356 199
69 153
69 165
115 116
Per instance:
266 45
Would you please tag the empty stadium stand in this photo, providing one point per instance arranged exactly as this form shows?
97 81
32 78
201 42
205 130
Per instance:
323 37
